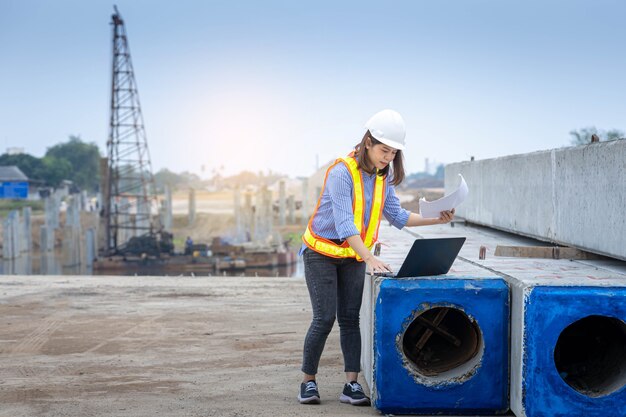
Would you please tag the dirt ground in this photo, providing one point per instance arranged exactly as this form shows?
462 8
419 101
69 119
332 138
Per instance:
171 346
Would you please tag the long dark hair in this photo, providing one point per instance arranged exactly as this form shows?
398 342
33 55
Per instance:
360 152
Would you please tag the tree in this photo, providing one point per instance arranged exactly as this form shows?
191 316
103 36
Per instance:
31 166
167 177
614 134
56 170
49 171
583 136
83 158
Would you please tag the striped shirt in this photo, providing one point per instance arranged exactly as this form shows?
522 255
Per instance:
335 219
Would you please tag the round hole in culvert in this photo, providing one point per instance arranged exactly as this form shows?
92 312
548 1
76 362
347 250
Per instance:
590 355
443 343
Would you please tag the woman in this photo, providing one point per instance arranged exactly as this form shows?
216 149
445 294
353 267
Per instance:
341 232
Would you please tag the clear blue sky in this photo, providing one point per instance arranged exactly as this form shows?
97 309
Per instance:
266 84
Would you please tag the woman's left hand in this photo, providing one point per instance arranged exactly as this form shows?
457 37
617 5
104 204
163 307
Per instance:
446 216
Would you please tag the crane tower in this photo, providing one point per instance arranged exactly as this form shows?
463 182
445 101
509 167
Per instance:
130 195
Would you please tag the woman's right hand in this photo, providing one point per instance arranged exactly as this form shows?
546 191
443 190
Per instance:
375 265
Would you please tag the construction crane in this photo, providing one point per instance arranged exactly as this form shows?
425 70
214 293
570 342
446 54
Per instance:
130 196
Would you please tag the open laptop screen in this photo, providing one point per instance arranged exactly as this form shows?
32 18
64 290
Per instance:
429 257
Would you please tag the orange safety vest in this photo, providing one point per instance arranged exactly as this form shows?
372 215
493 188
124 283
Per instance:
369 236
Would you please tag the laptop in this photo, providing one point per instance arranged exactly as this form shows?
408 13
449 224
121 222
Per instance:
428 257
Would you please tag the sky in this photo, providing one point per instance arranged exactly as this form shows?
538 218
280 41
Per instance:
227 86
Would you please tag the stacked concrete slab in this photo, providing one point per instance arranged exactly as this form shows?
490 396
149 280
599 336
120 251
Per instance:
412 369
573 196
568 327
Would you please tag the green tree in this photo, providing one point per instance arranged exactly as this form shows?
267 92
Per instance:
83 158
48 171
583 136
167 177
614 134
28 164
56 170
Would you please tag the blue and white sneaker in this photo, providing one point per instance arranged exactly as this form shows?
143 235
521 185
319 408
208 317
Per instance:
353 394
308 393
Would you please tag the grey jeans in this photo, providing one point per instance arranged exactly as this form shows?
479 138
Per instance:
336 288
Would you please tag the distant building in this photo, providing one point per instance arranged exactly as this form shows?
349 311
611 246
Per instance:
13 183
15 151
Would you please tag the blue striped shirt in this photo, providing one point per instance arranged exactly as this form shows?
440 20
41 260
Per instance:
335 219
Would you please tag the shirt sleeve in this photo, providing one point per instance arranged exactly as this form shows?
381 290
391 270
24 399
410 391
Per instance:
340 187
393 212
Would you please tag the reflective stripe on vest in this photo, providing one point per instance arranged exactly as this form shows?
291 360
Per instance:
369 235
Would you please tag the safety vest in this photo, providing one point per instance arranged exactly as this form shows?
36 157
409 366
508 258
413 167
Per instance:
369 235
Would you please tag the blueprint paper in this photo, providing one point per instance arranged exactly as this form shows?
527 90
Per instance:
431 209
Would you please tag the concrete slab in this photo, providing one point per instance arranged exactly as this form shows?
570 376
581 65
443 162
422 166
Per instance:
463 370
539 194
411 370
569 356
581 304
538 271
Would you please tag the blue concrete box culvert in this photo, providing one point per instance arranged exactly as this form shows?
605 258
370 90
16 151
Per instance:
462 367
574 352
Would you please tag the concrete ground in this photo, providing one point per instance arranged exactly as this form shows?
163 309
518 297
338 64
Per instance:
170 346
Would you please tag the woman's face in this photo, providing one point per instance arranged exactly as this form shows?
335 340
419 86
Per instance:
380 155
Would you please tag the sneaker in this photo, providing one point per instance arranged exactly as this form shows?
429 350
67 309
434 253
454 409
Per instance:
353 394
308 393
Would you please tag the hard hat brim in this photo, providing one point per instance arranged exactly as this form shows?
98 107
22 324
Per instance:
390 143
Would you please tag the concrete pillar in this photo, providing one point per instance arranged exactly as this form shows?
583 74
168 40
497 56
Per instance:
192 206
291 209
142 217
44 240
24 265
304 210
167 204
71 253
84 201
11 245
281 202
49 265
259 215
72 215
27 241
90 247
268 211
7 239
72 233
123 218
139 217
51 206
238 215
98 206
18 233
248 217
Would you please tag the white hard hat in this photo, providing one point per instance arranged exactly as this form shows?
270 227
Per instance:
387 126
